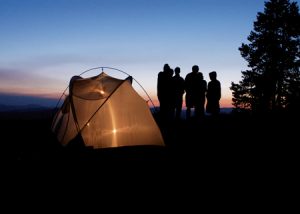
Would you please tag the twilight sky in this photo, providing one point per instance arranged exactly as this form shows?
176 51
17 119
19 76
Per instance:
44 43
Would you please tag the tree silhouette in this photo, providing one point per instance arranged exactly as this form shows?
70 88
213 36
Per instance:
273 82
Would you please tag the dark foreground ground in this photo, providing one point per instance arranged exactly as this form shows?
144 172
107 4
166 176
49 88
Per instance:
231 139
231 161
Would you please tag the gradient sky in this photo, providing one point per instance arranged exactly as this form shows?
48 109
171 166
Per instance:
44 43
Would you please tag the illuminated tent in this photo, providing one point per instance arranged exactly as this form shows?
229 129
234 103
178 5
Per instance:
106 112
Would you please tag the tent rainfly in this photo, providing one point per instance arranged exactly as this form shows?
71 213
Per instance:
106 112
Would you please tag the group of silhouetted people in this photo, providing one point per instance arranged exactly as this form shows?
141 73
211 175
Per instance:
170 91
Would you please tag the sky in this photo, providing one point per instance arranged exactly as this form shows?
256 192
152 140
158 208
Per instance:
43 43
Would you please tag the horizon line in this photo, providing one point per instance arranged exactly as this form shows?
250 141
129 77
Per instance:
224 103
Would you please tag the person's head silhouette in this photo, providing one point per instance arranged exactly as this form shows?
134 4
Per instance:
195 68
213 75
166 67
177 71
170 72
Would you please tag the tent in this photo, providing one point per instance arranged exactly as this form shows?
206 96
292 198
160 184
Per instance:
106 112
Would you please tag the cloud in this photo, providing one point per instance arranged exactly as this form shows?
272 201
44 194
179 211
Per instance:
95 58
8 74
24 81
35 63
18 76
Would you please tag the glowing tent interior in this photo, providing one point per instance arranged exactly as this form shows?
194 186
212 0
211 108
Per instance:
106 112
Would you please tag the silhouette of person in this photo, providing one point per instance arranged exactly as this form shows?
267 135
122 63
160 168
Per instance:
213 94
178 91
164 85
195 87
201 91
170 97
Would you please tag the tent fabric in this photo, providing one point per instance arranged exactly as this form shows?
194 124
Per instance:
107 112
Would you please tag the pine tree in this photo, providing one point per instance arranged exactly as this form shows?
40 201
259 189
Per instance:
273 82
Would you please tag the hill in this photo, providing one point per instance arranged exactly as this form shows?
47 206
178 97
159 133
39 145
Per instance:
23 100
22 108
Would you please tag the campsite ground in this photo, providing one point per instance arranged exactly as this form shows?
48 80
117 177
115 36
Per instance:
232 161
230 140
237 154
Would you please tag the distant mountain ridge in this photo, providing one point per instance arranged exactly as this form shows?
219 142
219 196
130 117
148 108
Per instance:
22 108
35 107
13 100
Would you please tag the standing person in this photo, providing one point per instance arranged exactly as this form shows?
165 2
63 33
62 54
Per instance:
170 97
195 87
178 90
191 83
200 99
162 89
164 92
213 94
189 89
